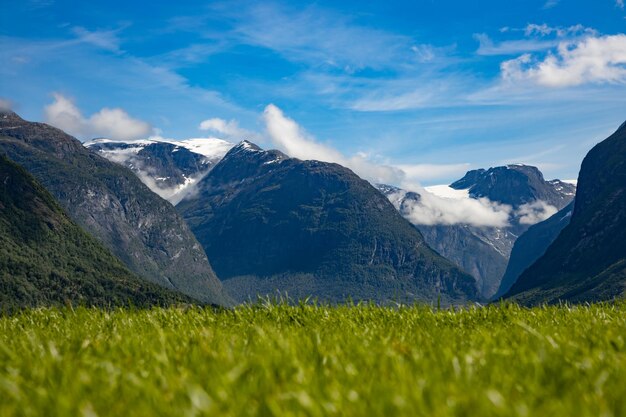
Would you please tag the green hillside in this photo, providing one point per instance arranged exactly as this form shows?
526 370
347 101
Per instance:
46 259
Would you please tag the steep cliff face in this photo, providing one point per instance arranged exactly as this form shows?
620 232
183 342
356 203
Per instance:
472 249
531 245
272 223
587 261
46 259
111 203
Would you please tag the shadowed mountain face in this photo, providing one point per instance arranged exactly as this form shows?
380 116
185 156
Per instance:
480 250
532 244
272 223
46 259
112 204
587 261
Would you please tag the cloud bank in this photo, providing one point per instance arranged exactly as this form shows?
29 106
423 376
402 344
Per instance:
110 123
429 209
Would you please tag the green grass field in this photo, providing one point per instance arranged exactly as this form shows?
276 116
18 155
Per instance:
279 360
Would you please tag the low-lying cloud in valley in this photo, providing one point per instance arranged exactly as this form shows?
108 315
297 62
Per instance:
535 212
430 209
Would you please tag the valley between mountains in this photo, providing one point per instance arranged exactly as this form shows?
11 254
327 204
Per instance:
154 221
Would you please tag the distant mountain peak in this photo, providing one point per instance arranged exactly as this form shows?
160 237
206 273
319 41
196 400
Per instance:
246 145
515 184
245 149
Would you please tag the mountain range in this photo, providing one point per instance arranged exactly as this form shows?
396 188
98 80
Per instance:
155 211
484 251
109 202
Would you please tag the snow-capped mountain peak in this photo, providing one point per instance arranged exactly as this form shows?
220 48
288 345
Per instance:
170 168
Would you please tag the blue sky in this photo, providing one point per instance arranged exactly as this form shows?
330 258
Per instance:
435 87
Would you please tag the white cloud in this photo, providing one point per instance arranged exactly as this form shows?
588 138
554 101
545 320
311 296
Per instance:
107 40
5 104
295 33
550 4
430 209
535 212
428 172
289 137
620 4
487 47
228 128
542 29
111 123
590 60
539 37
545 30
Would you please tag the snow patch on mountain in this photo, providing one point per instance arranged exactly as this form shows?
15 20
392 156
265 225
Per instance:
446 191
212 148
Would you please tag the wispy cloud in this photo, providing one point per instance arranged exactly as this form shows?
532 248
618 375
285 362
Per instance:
86 70
313 35
5 104
550 4
489 47
228 129
537 37
291 138
105 39
316 36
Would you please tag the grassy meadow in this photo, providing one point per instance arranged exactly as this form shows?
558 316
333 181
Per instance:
307 360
